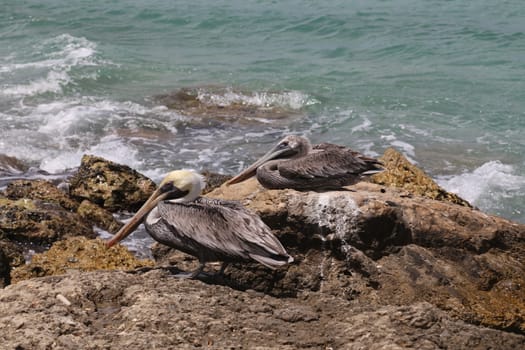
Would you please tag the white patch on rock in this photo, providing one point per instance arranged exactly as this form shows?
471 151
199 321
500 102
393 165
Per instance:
337 211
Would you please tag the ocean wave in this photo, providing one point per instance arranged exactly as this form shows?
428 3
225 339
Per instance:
49 68
486 185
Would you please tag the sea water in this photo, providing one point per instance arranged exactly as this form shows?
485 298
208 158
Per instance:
441 81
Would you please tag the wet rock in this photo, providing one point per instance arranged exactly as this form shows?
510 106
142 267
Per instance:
11 165
119 310
109 185
40 190
38 222
80 254
98 216
399 172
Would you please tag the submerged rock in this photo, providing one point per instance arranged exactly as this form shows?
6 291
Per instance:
213 103
78 253
110 185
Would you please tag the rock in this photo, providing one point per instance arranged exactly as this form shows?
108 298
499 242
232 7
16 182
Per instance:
38 222
120 310
375 245
11 165
40 190
399 172
11 255
98 216
213 180
110 185
78 253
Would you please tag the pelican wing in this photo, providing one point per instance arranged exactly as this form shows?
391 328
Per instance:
327 160
225 227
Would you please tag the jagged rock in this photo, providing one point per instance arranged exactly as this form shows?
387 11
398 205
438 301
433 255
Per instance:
110 185
376 245
38 222
78 253
98 216
11 255
213 180
118 310
399 172
40 190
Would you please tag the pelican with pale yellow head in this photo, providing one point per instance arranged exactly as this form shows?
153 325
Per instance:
209 229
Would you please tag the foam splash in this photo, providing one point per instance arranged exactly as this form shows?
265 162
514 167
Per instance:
110 147
486 185
294 100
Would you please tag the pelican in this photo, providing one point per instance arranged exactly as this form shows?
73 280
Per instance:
295 163
209 229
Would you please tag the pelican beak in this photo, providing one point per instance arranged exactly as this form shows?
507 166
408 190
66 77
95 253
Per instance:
136 220
276 152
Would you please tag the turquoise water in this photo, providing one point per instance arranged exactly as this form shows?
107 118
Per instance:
441 81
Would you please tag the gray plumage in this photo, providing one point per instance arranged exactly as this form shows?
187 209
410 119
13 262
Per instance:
215 230
295 163
209 229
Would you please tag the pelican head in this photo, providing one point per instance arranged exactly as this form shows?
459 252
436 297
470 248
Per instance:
290 147
178 186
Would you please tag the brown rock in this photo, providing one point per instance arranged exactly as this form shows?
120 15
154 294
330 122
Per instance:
399 172
27 220
98 216
11 255
41 190
214 180
377 245
110 185
78 253
117 310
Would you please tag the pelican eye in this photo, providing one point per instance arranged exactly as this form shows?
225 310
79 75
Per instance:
283 144
172 191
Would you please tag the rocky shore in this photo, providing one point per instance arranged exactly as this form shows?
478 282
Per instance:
393 263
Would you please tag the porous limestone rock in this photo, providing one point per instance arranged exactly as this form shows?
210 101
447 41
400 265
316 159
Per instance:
110 185
118 310
78 253
374 244
39 222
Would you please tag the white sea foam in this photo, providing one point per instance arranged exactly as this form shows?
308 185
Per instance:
487 184
110 147
288 99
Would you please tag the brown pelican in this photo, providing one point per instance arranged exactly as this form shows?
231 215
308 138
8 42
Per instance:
209 229
295 163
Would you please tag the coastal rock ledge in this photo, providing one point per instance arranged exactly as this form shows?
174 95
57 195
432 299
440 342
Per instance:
387 264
